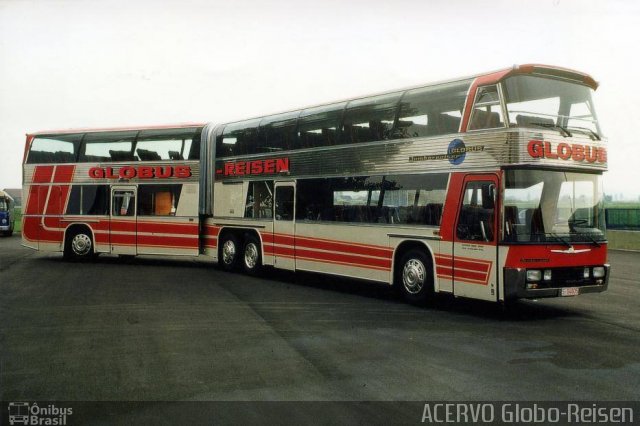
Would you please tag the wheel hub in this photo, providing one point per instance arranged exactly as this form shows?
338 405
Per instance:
251 255
228 252
413 276
81 244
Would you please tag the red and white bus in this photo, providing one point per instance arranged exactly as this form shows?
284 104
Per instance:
486 187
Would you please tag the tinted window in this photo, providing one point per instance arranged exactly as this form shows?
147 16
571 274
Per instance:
475 221
238 139
319 126
277 133
430 111
111 146
171 144
284 203
88 200
402 199
54 149
370 119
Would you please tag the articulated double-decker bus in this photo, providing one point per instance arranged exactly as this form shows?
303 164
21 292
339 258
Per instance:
486 187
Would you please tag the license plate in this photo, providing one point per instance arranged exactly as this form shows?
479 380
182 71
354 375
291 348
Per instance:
569 291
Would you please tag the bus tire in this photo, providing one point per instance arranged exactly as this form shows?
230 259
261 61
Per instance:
229 252
252 256
79 245
414 277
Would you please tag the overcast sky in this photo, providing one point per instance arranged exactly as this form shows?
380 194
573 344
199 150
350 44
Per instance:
70 64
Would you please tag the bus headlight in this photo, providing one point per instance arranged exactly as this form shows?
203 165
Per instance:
547 275
4 221
598 272
534 274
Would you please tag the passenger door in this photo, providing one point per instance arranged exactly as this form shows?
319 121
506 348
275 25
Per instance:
123 223
475 249
284 225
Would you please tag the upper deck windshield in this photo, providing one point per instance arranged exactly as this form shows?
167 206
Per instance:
547 102
553 206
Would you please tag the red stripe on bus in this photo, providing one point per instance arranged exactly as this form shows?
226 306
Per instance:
64 174
181 242
351 259
340 246
42 174
176 228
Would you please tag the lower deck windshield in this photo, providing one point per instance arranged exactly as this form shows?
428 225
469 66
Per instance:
4 206
552 206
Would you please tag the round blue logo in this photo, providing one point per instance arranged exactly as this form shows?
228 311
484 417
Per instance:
456 152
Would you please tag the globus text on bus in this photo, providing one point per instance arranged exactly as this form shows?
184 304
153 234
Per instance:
565 151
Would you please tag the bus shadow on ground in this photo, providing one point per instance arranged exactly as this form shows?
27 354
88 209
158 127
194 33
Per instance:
517 311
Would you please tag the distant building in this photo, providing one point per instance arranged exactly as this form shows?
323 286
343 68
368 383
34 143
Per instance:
16 194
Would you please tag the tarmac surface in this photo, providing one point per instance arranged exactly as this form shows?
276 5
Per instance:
158 329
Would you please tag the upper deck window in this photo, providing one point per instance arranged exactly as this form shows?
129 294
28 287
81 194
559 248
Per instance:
108 146
54 149
547 102
370 119
487 109
172 144
432 110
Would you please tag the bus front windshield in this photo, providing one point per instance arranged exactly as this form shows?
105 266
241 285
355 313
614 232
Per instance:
546 102
3 205
553 206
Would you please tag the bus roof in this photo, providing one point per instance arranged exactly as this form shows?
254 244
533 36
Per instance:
115 129
485 78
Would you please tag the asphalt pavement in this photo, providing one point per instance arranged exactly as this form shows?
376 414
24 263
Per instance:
158 329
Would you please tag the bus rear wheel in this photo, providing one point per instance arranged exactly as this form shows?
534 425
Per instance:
414 277
79 245
252 256
229 252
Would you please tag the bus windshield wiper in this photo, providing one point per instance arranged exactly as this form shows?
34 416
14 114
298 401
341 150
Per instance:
590 237
563 130
592 134
562 240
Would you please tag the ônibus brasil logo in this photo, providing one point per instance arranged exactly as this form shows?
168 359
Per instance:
25 413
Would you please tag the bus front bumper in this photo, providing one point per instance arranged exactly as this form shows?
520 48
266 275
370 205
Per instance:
515 286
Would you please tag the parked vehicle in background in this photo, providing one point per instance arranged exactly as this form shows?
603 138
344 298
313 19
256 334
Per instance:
7 214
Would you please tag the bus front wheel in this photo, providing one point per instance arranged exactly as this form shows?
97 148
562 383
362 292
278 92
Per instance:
414 277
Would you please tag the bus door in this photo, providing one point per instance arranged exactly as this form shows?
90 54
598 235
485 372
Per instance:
475 250
284 225
123 224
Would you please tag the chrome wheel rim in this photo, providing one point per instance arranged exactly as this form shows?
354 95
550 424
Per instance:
228 252
251 255
413 276
81 244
